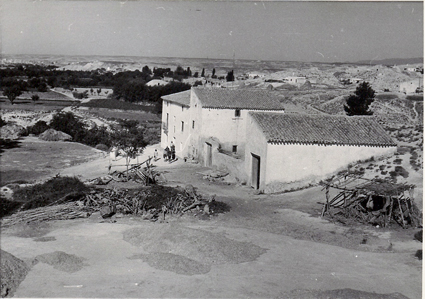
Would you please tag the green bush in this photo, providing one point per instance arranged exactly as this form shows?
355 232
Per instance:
8 207
399 171
397 161
2 122
418 98
69 124
102 147
41 195
386 96
38 128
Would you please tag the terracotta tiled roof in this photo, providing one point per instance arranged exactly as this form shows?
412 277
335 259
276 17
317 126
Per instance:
224 98
282 128
182 98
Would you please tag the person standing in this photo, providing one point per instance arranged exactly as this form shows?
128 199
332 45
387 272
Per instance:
173 151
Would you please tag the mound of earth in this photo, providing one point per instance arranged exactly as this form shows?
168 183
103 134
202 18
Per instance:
61 261
12 273
11 131
339 294
188 250
172 262
53 135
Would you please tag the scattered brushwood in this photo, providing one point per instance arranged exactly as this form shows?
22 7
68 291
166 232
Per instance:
152 202
144 175
376 202
70 210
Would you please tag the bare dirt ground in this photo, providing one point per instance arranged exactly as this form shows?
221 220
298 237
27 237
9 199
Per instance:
32 159
266 246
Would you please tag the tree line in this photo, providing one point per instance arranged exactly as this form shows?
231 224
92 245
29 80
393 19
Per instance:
127 86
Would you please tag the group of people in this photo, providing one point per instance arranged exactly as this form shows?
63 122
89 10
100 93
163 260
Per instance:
170 153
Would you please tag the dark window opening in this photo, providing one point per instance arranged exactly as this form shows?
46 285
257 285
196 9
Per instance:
182 126
193 124
234 149
237 113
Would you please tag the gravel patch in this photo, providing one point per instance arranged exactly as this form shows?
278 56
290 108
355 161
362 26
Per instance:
44 239
174 263
61 261
199 245
339 294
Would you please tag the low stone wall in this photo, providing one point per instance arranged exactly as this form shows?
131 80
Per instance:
233 166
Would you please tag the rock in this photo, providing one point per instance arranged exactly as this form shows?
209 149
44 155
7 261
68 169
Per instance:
53 135
207 209
6 192
11 131
108 211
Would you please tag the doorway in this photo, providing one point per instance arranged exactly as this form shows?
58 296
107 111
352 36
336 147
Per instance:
255 172
208 158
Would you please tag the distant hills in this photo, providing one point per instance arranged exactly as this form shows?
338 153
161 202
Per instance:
393 61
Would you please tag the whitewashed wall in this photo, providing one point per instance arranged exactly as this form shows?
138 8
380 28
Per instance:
177 114
293 162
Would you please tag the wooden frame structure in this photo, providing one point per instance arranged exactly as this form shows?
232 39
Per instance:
371 201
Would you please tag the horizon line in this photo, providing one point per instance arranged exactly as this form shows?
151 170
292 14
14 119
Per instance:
362 61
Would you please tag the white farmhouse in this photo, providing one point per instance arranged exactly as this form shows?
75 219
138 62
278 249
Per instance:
246 132
295 80
156 82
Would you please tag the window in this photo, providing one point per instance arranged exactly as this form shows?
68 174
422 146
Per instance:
174 128
182 126
237 113
234 149
182 108
193 124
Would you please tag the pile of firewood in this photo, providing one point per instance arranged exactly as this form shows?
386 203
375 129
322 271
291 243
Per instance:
150 202
56 212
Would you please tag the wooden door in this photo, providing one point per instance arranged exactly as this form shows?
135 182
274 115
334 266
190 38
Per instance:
208 158
255 172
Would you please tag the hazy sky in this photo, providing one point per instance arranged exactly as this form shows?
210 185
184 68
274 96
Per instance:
263 30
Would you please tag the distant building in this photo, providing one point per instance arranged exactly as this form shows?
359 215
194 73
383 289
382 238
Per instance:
412 86
410 69
355 80
156 82
295 80
255 75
